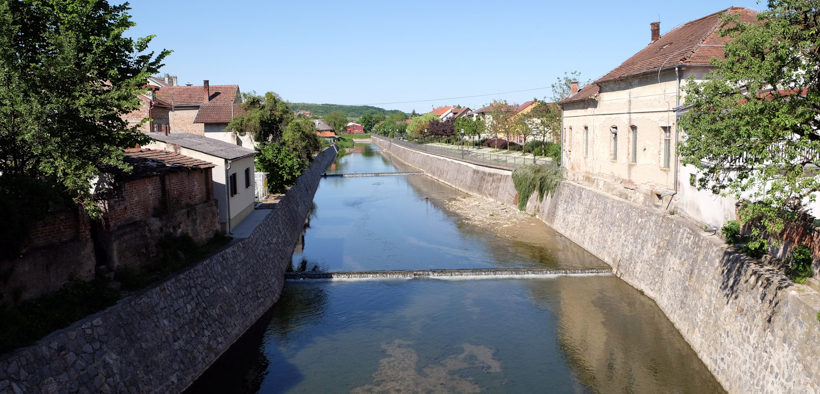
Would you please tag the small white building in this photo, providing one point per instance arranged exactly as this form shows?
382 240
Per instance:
233 174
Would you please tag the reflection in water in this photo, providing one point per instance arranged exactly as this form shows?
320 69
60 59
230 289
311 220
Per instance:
587 334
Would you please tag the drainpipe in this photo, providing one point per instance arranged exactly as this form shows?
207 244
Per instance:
228 194
677 106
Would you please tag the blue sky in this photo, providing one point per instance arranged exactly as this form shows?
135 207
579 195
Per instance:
404 55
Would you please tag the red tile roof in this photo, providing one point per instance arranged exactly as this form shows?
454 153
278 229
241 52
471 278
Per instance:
694 44
441 110
148 162
460 111
326 134
194 95
217 112
524 106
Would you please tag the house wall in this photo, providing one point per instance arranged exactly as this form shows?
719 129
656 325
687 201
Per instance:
647 102
242 203
182 121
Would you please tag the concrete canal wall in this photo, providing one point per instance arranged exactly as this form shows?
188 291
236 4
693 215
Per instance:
753 328
161 339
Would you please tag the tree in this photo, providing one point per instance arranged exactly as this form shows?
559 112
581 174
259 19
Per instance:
442 129
502 119
300 137
266 117
281 165
418 126
752 129
369 120
545 121
337 120
68 73
562 87
471 128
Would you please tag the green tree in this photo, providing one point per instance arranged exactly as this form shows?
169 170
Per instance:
300 137
471 128
337 120
68 73
369 120
417 128
281 165
545 121
752 129
562 87
265 118
502 119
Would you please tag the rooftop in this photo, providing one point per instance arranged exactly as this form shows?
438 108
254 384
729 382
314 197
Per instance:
217 112
205 145
148 162
194 95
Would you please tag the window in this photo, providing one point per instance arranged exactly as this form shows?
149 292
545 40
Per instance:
586 141
614 131
634 155
247 178
232 185
667 146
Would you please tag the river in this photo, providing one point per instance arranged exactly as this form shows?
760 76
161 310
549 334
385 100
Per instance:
562 334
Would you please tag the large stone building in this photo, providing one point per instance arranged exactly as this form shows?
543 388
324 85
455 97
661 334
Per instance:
620 132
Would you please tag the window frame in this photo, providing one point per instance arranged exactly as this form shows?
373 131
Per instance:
613 145
633 151
232 184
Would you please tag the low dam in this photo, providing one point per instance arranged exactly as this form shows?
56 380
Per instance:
392 289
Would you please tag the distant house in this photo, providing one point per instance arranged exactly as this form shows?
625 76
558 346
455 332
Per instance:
620 132
354 128
302 112
204 110
323 130
460 112
443 113
151 108
233 173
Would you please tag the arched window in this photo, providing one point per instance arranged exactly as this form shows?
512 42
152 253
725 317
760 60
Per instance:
614 148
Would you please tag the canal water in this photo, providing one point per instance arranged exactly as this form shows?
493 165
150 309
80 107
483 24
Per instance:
566 334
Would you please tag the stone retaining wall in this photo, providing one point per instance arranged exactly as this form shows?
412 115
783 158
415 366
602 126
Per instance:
161 339
753 328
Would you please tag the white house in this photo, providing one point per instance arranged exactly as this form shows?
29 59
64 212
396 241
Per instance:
233 174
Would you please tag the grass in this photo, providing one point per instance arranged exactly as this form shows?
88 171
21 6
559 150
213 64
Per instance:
26 323
529 178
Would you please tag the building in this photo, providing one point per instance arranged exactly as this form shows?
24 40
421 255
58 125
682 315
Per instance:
204 110
354 128
443 113
323 130
156 111
620 132
233 172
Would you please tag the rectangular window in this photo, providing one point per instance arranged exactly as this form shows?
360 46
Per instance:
586 141
247 178
232 184
634 155
667 146
614 131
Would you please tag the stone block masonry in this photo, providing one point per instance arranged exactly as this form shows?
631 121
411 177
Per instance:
753 328
161 339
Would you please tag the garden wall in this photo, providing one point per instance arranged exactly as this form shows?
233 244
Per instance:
161 339
753 328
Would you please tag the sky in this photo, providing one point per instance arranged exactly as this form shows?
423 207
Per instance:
412 55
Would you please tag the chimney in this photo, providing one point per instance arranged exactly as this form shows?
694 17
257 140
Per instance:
656 30
174 81
573 87
206 88
166 79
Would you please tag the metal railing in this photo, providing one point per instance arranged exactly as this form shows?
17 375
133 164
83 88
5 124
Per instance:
498 160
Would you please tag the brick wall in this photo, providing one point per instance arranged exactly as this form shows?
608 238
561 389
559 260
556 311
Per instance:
182 121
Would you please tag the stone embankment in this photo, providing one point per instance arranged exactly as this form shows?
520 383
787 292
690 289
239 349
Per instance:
754 329
161 339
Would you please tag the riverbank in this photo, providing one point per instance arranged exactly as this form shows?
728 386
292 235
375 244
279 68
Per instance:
754 330
164 337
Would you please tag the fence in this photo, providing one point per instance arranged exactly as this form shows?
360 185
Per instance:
498 160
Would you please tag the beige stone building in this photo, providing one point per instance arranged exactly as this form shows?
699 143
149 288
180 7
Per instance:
620 132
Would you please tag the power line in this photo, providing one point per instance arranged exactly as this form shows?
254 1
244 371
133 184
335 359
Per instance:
460 97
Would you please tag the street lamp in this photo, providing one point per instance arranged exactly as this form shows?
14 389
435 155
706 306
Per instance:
462 144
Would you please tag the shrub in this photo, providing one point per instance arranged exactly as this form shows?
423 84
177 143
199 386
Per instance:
281 165
800 267
529 178
731 231
500 143
756 247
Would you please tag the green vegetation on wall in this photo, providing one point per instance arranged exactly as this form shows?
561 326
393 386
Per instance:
529 178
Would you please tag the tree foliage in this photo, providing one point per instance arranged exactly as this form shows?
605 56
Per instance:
545 122
369 120
282 165
337 120
300 136
562 87
67 76
442 128
502 119
752 129
470 127
265 118
419 126
349 111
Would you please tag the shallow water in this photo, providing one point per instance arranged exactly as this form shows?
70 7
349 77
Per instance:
568 334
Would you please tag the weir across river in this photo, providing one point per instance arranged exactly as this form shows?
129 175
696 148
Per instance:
449 274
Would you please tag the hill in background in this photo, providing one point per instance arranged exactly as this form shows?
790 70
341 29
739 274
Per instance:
352 112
